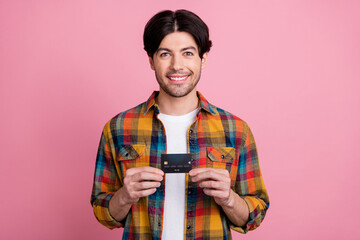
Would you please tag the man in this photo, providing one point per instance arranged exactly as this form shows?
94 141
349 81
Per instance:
223 190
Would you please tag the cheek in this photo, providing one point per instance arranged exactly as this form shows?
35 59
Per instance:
195 65
161 68
196 68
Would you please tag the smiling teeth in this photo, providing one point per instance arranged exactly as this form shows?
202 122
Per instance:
178 78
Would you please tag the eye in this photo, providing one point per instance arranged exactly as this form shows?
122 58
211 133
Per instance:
188 54
164 54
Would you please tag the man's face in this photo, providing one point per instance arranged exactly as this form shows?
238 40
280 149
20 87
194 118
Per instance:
177 64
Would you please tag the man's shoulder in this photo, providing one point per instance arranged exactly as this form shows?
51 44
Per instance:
132 112
135 112
226 115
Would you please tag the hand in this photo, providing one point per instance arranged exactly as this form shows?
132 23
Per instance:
140 182
215 183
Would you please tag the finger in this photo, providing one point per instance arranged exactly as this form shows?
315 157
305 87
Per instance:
136 170
216 193
146 176
214 175
139 186
214 185
145 193
196 171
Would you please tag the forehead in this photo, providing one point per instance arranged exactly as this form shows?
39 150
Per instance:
178 40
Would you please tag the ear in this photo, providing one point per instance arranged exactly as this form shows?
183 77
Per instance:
204 60
151 62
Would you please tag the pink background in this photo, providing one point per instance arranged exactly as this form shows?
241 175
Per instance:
289 68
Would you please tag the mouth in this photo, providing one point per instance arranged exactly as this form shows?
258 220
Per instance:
178 78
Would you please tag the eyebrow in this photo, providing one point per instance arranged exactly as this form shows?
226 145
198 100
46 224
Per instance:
183 49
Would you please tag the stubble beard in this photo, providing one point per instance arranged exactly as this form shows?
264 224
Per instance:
177 90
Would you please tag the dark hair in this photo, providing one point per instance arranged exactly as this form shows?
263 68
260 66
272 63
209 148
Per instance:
166 22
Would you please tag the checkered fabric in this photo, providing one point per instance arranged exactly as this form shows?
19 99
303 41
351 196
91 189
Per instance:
216 139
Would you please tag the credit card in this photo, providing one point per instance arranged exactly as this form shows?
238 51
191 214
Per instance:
176 163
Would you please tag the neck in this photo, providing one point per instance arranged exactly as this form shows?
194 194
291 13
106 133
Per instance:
177 105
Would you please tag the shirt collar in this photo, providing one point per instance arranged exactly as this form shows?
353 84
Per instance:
203 103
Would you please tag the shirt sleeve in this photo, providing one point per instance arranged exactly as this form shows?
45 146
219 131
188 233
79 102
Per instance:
250 185
106 182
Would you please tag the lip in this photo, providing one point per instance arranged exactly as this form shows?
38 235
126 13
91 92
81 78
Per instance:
178 78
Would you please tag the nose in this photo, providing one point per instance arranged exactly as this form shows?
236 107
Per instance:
177 62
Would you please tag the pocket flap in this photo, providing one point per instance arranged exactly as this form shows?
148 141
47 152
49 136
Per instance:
128 152
221 154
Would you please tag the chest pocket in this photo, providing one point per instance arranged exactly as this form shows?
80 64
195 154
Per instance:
220 157
131 156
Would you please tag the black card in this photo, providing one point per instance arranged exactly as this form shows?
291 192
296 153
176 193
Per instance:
176 163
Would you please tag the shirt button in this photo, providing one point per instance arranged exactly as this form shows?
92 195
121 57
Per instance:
222 156
191 131
189 192
159 224
188 226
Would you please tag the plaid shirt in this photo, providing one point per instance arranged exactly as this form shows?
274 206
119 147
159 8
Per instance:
216 139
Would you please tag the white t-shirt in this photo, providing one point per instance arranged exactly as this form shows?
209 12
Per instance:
174 206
